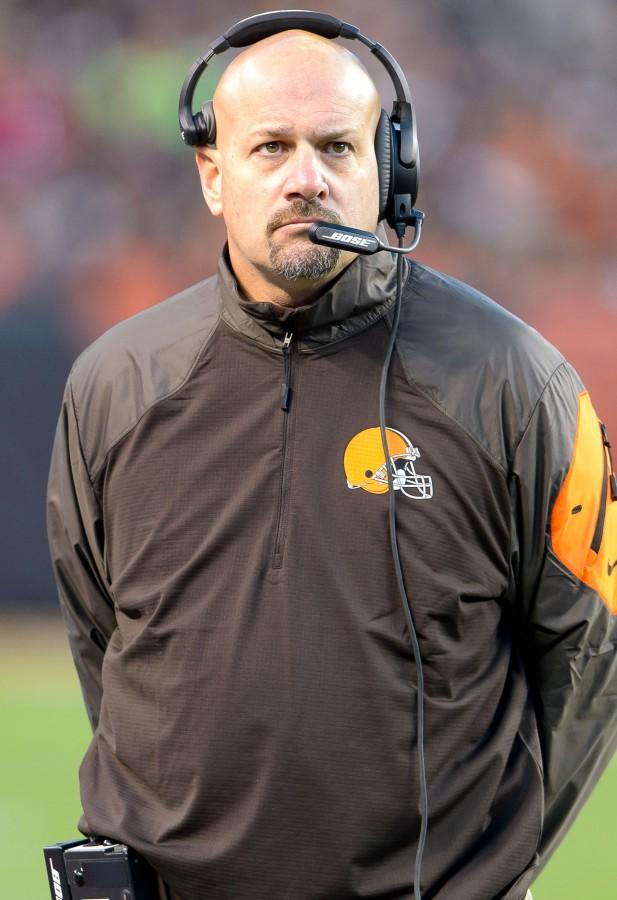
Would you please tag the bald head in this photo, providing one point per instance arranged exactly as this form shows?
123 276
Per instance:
301 64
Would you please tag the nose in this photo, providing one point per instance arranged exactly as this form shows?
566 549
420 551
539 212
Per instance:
306 179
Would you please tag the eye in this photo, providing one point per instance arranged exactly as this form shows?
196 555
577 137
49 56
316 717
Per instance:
339 148
270 147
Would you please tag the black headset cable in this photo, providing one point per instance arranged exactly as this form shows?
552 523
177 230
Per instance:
399 572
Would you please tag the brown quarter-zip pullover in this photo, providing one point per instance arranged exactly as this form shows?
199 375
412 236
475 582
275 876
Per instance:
218 526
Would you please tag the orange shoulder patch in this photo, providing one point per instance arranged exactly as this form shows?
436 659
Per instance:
584 516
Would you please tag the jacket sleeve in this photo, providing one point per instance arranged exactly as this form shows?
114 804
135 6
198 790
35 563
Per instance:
566 548
76 542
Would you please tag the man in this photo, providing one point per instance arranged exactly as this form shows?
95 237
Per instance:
218 526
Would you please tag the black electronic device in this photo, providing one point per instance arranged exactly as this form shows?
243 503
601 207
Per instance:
365 242
98 870
396 139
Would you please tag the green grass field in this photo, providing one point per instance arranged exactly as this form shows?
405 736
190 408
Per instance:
45 733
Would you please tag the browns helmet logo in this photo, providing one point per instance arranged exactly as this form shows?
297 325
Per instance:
365 464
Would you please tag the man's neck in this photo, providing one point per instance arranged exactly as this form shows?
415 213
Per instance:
267 287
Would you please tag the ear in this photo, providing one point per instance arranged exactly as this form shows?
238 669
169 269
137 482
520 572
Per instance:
208 160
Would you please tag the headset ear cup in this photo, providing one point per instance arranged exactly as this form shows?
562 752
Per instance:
205 125
383 155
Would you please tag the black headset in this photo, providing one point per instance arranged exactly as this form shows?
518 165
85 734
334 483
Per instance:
396 140
398 165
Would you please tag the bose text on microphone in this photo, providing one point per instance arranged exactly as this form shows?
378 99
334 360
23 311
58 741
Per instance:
344 237
365 242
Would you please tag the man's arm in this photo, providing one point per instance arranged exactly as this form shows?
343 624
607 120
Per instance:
567 594
76 542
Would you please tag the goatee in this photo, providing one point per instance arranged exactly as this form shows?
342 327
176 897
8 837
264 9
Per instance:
301 259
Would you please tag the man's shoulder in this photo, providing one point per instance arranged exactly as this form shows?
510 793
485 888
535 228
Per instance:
139 361
482 365
477 323
183 319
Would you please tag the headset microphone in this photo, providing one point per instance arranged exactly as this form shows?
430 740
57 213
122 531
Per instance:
365 242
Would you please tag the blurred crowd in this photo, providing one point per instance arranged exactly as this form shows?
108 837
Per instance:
102 216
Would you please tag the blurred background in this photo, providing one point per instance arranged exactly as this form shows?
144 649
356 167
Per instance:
102 216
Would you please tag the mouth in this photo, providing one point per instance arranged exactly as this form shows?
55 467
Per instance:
296 219
298 223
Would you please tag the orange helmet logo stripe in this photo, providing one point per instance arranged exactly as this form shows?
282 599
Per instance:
584 516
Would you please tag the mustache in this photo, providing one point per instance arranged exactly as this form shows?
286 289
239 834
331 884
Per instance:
302 209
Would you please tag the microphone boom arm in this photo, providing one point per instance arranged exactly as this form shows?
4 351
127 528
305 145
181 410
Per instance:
365 242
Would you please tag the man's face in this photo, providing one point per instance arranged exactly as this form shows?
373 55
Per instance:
295 143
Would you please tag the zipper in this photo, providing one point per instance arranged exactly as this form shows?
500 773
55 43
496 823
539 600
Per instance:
608 476
285 404
286 386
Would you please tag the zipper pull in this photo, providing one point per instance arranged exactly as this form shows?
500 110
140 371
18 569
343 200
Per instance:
286 387
607 444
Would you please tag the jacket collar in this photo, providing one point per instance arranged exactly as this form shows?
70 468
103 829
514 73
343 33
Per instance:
361 294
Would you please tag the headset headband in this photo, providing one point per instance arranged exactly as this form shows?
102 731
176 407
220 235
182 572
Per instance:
256 28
